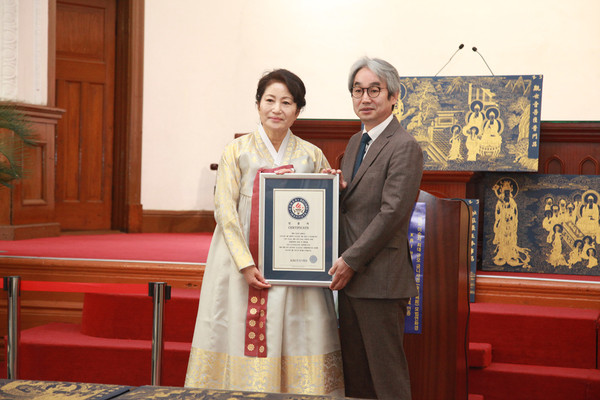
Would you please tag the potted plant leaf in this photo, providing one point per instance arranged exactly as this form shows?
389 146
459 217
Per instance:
16 133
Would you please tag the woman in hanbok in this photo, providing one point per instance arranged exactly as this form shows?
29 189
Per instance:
291 346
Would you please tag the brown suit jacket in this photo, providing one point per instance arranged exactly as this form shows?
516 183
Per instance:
375 210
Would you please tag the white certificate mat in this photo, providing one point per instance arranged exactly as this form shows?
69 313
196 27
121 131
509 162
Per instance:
299 229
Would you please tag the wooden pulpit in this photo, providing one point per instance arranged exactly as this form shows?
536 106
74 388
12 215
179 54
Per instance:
437 357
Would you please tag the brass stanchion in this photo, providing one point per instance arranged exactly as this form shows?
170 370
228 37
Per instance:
12 284
160 292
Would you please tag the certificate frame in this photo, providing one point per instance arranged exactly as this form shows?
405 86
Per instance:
298 228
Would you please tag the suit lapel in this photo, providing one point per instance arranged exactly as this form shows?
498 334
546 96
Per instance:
350 156
372 154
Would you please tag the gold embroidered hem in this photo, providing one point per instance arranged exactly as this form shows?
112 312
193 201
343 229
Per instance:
316 374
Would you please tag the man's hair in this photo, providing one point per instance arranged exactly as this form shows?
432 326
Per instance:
383 69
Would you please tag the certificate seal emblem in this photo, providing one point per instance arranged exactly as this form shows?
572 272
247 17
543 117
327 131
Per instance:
298 208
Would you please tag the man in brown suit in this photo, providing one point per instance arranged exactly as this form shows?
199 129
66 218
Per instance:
374 274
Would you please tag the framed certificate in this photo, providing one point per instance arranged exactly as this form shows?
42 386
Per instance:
298 228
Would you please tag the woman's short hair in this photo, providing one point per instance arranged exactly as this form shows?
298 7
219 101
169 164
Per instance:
383 69
289 79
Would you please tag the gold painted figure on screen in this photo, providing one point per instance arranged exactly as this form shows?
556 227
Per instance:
592 260
562 210
556 257
491 139
506 225
571 216
589 215
577 203
475 117
588 243
472 142
455 143
575 254
548 222
548 201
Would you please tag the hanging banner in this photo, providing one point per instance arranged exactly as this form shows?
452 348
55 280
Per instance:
416 241
474 207
547 224
474 123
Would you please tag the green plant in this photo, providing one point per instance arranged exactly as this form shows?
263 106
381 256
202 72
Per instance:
16 133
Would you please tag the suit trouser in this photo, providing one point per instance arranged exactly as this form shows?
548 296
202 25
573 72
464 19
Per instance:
372 334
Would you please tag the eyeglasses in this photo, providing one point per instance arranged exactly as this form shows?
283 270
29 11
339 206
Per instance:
372 91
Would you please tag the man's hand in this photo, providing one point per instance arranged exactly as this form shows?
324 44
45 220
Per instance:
254 278
343 183
342 274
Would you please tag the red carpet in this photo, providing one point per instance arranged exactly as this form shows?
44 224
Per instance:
113 344
517 352
60 352
522 352
160 247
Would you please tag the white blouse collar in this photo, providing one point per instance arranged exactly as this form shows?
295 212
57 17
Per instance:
277 155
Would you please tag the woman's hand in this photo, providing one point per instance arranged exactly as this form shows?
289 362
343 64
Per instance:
254 278
284 171
343 183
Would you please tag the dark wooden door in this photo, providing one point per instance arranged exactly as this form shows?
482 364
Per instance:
85 74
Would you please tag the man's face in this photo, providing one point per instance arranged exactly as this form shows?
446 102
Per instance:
372 111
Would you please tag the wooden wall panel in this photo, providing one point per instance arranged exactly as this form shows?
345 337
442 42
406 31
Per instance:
508 289
85 76
331 136
33 197
129 83
178 221
28 209
570 148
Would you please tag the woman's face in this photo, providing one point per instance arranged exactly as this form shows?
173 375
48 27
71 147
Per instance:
277 110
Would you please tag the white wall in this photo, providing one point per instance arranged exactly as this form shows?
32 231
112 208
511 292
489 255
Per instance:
203 60
24 51
33 51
